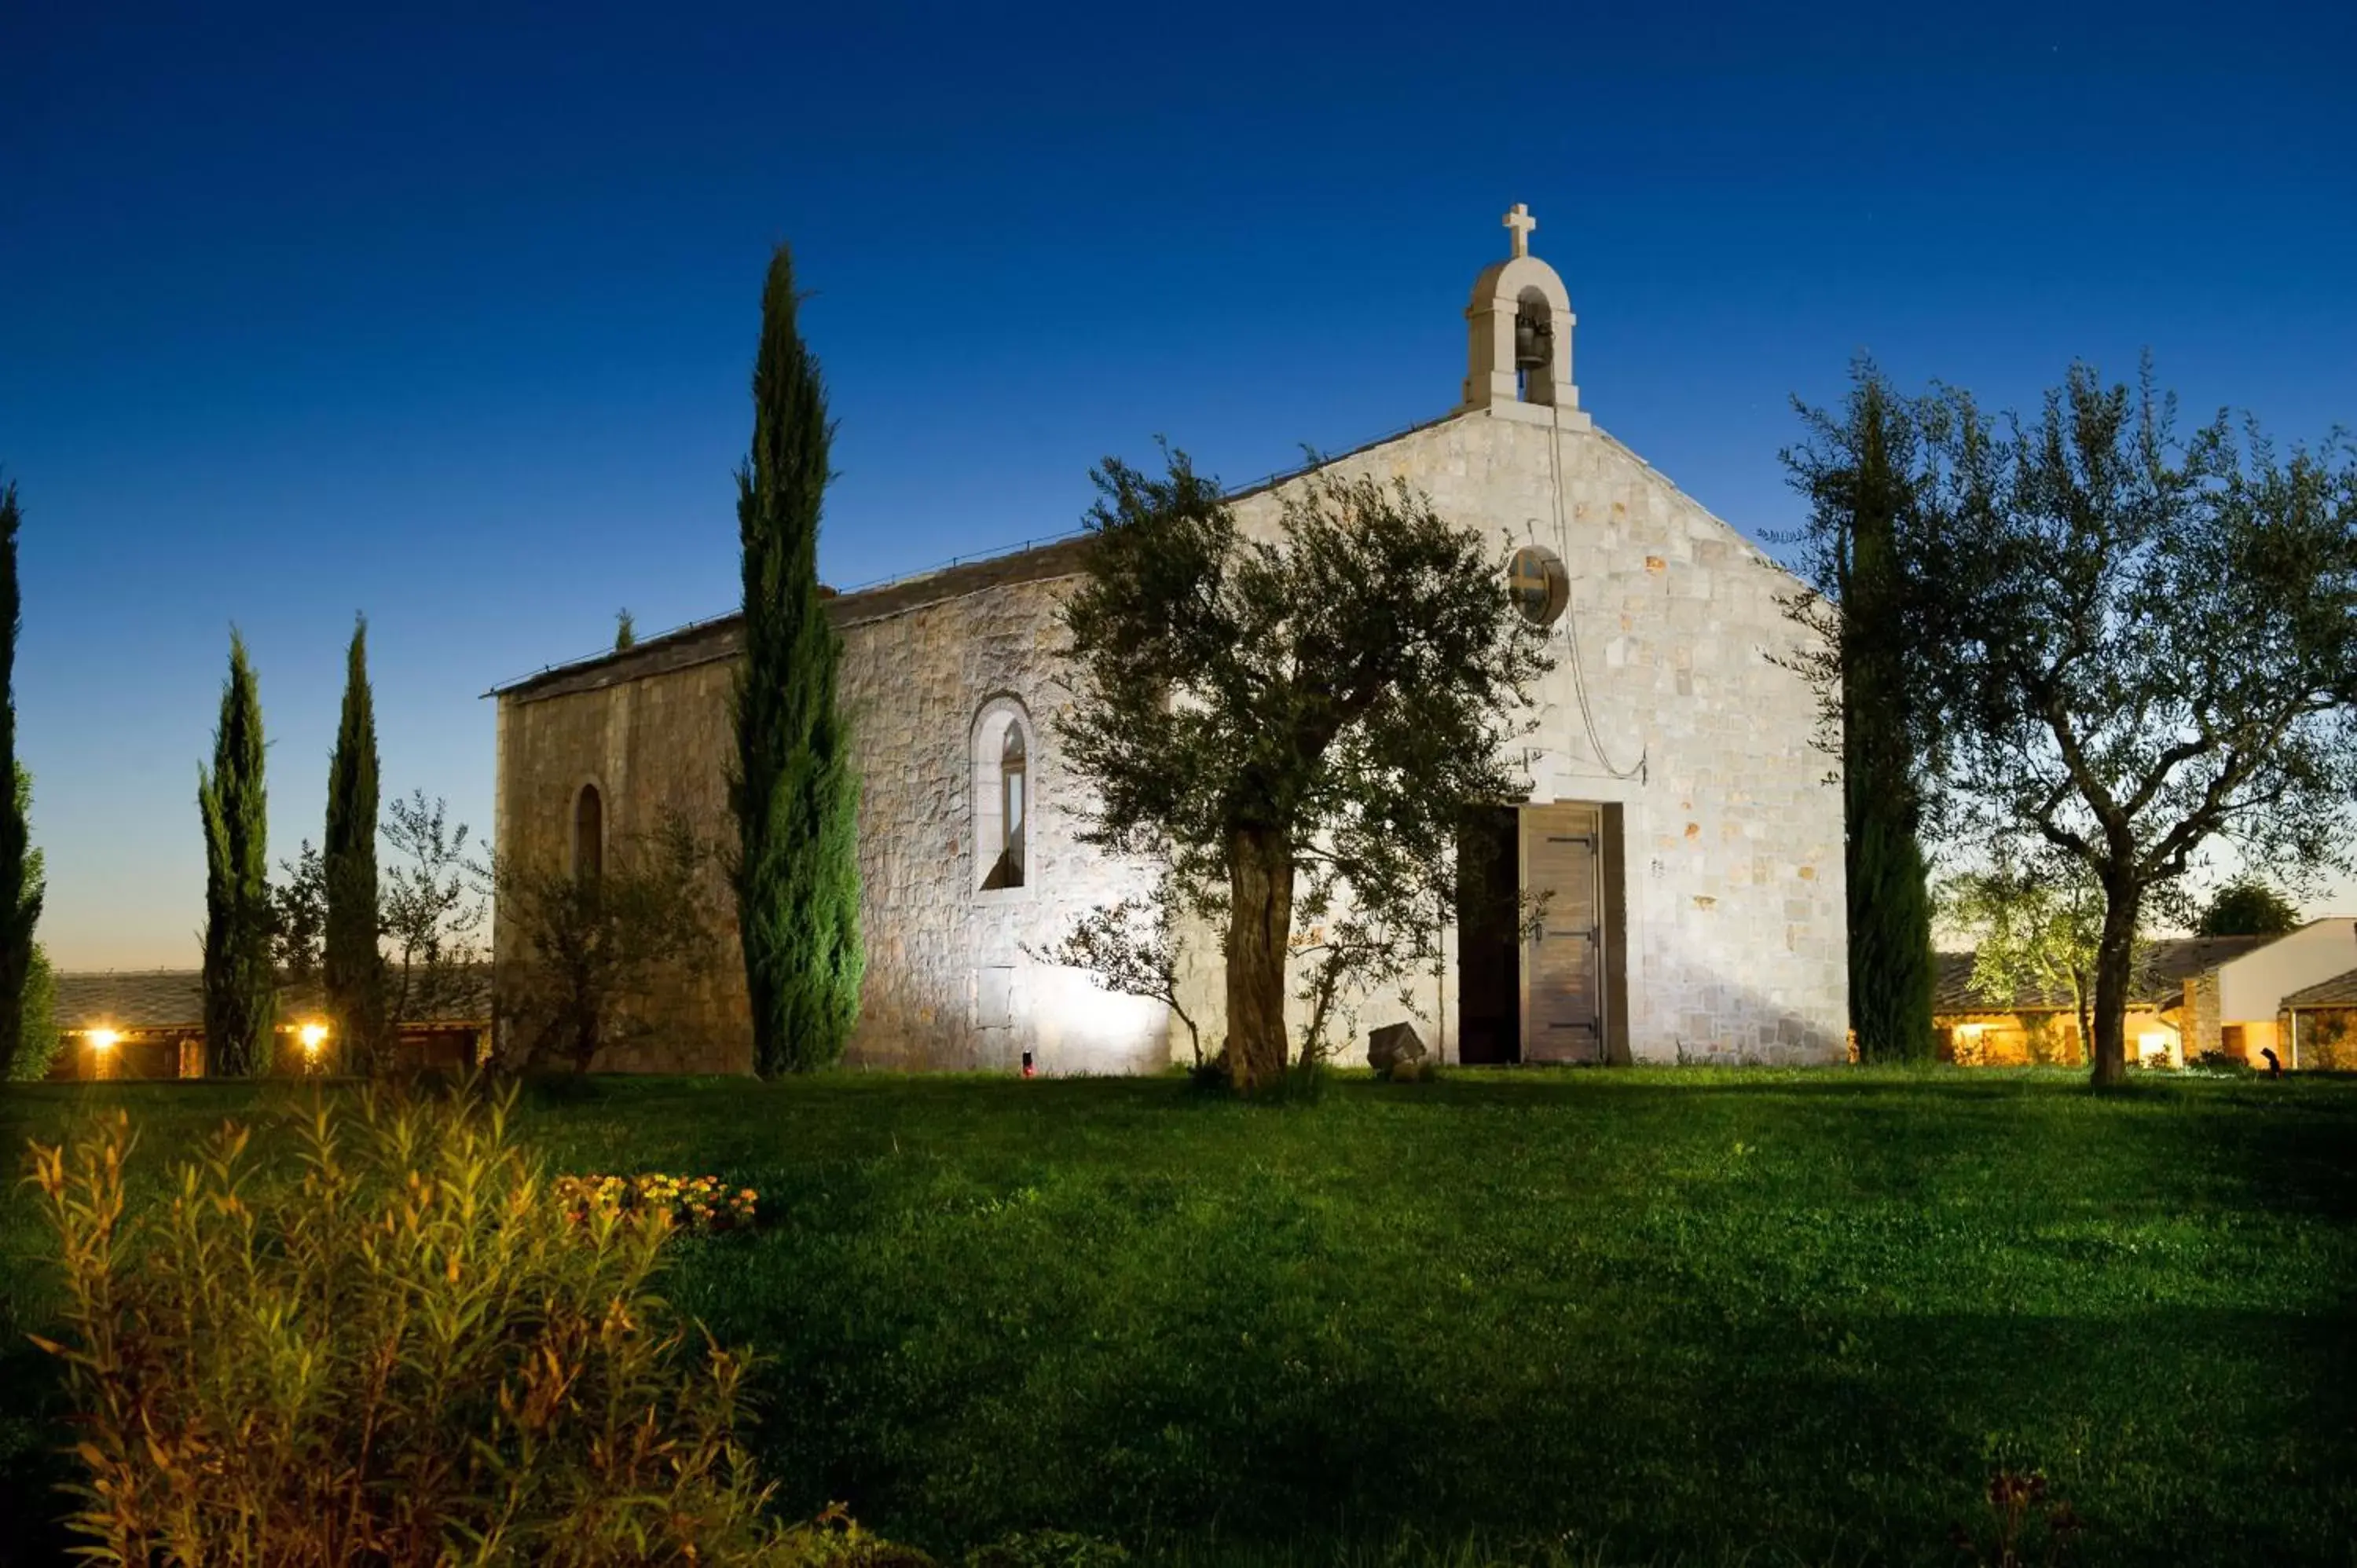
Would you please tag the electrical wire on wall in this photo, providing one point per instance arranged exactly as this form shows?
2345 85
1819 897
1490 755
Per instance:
1571 617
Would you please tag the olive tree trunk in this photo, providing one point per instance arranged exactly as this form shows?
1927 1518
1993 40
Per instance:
1260 925
2113 958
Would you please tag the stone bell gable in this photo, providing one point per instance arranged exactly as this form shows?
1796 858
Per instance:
1679 821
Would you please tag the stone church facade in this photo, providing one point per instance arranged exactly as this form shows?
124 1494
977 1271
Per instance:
1680 820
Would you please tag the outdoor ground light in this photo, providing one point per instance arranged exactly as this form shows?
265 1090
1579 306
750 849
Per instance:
311 1035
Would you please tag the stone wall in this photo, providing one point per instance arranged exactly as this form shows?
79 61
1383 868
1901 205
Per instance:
1735 903
657 741
948 983
1735 887
2204 1032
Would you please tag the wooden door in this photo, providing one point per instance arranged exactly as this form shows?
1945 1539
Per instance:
1563 958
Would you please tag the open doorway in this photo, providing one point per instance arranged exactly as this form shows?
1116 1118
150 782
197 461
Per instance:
1554 988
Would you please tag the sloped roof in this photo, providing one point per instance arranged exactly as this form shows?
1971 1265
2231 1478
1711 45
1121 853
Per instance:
132 999
723 637
174 999
2340 990
2170 962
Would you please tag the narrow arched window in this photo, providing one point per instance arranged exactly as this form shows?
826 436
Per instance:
1011 806
588 835
1002 796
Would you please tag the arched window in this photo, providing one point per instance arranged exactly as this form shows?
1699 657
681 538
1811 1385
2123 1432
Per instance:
588 834
1002 796
1011 780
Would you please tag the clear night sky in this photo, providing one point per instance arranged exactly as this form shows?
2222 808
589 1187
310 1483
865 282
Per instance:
448 318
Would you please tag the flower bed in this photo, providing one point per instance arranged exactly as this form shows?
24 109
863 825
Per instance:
690 1203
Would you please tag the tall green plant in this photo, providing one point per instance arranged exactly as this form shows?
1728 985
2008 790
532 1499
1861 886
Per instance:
20 882
352 965
1858 472
36 1046
794 788
407 1354
241 994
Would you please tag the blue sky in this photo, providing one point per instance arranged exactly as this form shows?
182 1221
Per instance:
445 315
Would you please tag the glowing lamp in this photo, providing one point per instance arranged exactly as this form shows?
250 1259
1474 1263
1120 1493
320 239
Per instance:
311 1035
103 1039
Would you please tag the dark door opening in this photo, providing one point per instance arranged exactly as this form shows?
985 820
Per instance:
1554 988
1489 945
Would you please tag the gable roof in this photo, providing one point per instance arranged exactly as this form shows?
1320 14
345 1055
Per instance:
2340 990
174 999
2160 982
722 636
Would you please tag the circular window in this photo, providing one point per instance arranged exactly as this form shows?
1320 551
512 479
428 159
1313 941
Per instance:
1538 584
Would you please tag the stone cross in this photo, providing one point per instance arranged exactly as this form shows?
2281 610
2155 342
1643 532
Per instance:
1521 222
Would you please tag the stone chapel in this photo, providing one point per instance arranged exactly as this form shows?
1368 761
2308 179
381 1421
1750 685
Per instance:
1679 815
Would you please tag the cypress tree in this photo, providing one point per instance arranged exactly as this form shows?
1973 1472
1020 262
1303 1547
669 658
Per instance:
1890 973
240 993
353 967
21 886
793 785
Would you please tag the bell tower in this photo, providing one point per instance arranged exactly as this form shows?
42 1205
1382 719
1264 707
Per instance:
1520 321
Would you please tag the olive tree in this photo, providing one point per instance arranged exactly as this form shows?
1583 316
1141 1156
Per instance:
593 950
2143 646
1294 724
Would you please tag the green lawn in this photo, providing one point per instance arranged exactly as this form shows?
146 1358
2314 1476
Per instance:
1652 1314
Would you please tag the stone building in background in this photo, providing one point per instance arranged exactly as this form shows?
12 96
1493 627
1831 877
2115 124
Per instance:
1679 815
2191 999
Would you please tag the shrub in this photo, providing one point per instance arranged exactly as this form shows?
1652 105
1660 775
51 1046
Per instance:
385 1343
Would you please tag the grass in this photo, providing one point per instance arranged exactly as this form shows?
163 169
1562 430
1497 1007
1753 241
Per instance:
1626 1316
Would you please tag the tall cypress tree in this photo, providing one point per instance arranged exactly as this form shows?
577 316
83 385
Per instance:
354 965
1890 973
792 787
240 993
20 887
1866 558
